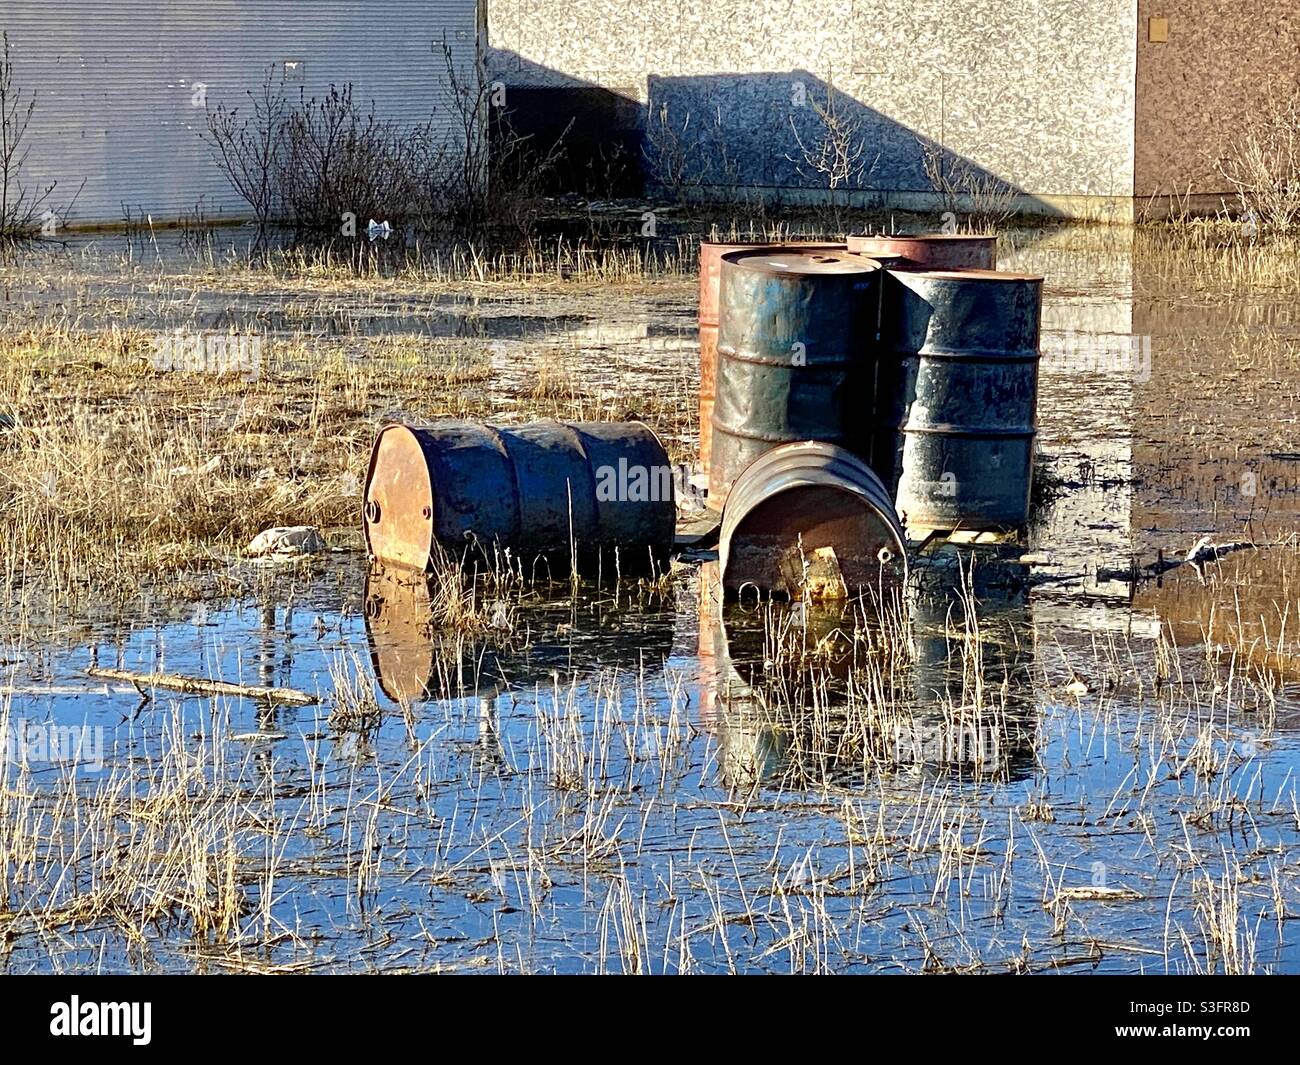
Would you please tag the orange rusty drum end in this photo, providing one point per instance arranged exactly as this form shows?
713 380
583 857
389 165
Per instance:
812 521
398 514
815 542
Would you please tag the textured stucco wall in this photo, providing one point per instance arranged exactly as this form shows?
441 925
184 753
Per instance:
1036 94
1220 61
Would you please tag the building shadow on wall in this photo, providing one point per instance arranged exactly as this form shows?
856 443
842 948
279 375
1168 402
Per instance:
789 136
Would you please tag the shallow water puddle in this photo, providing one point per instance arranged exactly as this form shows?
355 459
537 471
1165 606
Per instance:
1083 763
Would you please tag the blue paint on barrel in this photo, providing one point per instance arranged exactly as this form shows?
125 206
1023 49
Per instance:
796 356
539 497
957 401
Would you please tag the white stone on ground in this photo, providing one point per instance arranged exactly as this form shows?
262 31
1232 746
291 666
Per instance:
286 541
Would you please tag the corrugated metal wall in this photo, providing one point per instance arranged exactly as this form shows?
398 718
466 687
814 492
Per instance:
116 83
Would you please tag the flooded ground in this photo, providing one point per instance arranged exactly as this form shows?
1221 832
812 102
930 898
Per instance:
1062 756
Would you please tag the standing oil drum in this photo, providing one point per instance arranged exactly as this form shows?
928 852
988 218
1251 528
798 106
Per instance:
796 356
711 254
931 251
812 521
541 497
958 396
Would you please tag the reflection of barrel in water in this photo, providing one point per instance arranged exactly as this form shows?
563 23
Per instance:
414 661
972 701
808 694
767 673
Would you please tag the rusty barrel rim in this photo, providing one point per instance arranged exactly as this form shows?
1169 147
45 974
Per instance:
807 464
712 253
930 250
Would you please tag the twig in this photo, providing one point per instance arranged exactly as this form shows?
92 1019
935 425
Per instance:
201 686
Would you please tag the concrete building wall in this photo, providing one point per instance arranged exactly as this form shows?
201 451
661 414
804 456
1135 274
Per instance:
1030 97
1195 89
116 103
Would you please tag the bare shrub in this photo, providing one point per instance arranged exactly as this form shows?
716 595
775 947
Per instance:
491 176
673 152
985 198
1262 164
326 166
834 152
342 163
250 148
22 208
691 152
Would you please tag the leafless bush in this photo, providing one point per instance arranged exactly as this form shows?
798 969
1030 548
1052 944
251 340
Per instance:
693 152
673 152
986 199
250 148
1262 164
326 166
494 176
344 166
837 151
834 152
22 208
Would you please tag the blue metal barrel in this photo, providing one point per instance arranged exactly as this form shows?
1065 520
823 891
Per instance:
796 356
546 496
956 413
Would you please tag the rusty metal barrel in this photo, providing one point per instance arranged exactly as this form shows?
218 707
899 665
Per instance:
550 494
931 251
812 521
958 396
711 253
796 356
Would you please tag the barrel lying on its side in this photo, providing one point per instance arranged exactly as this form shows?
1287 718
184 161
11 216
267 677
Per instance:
711 254
958 395
598 494
796 356
811 520
931 251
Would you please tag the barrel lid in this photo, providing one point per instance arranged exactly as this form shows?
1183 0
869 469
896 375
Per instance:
801 262
398 514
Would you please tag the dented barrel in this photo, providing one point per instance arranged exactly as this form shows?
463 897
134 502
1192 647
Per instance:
796 356
541 496
930 251
711 253
810 520
958 396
